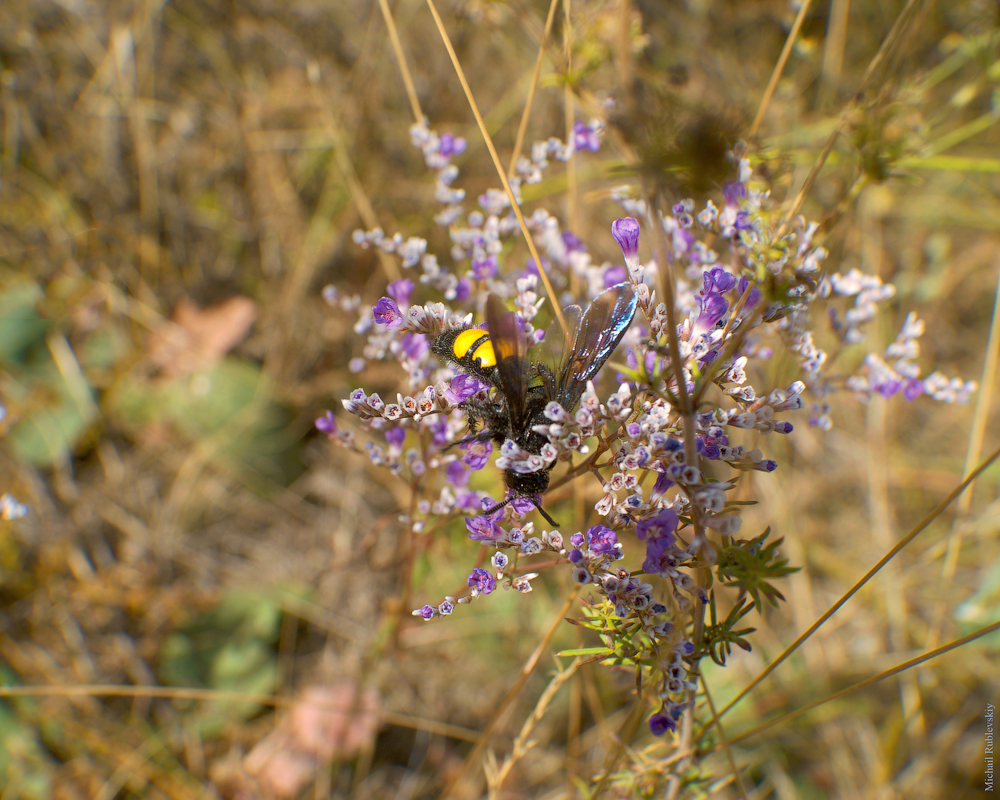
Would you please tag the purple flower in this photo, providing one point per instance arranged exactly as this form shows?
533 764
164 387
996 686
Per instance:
585 138
439 432
602 540
577 539
660 723
717 280
400 290
483 529
615 275
463 387
477 453
428 612
662 526
913 389
467 500
396 436
522 505
482 581
626 233
733 191
451 145
458 473
573 242
327 424
463 290
415 346
484 267
387 313
711 308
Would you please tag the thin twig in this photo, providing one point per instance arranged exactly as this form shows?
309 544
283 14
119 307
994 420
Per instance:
913 662
930 517
404 70
526 114
499 167
453 789
779 67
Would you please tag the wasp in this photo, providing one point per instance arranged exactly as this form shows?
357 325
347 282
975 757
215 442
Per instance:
498 356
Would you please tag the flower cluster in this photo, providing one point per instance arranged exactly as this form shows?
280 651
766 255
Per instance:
740 285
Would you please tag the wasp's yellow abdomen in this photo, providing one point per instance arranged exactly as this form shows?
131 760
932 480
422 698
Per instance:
475 344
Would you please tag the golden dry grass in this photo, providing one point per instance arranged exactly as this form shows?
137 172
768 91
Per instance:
195 533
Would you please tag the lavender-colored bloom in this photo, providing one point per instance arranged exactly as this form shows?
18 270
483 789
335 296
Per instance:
463 387
573 243
400 291
577 540
711 308
483 268
414 345
585 138
467 500
717 280
602 540
396 436
733 191
615 275
522 505
451 145
387 313
660 527
458 474
913 389
477 453
463 290
626 233
428 612
660 723
483 529
439 432
482 581
327 424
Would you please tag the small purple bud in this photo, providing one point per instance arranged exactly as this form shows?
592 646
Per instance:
327 424
626 233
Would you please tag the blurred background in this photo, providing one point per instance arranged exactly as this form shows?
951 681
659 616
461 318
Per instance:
179 181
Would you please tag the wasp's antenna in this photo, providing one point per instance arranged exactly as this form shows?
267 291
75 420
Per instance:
511 498
544 513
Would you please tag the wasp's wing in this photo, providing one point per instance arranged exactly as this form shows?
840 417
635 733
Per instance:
511 350
556 347
598 334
